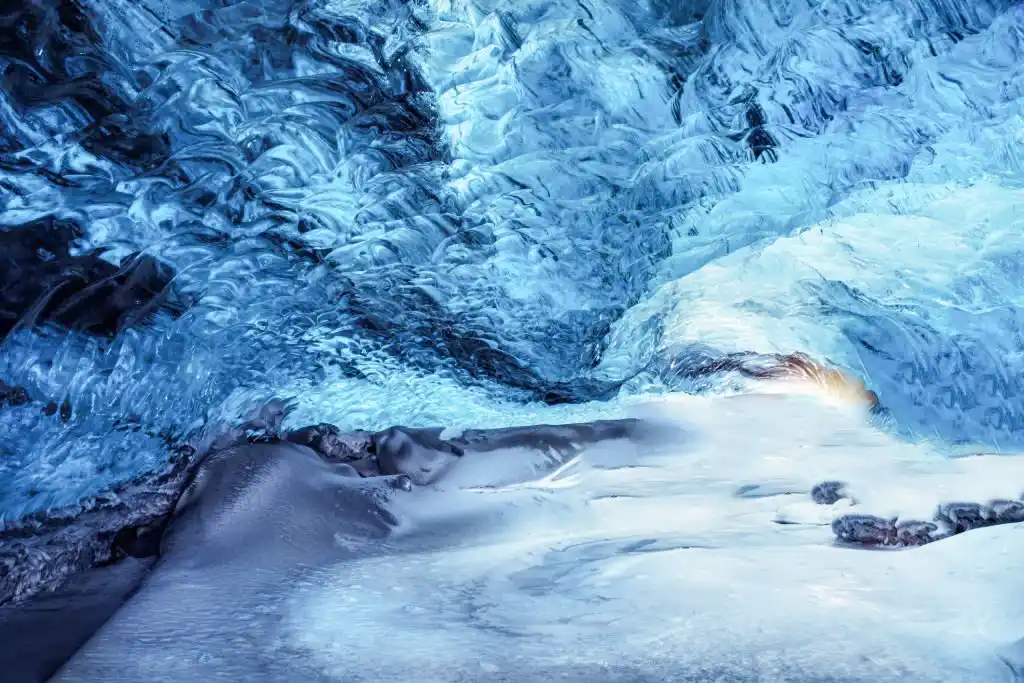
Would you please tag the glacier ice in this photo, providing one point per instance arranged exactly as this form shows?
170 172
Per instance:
474 213
694 556
522 202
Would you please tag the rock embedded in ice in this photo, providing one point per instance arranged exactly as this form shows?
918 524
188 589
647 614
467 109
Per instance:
828 492
949 519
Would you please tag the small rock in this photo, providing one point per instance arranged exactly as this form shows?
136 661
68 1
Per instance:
914 533
1007 511
331 443
828 492
962 517
865 530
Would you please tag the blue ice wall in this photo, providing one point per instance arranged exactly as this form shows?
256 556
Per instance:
454 211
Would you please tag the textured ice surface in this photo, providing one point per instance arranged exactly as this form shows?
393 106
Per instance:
462 211
698 556
477 213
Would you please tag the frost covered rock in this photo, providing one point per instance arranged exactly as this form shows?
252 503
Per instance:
949 519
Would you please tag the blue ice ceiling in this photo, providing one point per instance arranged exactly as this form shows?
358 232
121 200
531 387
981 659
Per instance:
465 212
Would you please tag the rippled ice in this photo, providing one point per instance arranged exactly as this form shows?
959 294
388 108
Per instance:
496 212
459 211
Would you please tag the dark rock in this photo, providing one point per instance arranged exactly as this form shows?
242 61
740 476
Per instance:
950 519
828 492
331 443
962 517
915 533
865 530
42 550
1006 511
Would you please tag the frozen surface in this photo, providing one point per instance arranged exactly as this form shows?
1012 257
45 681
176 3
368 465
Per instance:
702 558
644 566
479 213
647 606
465 211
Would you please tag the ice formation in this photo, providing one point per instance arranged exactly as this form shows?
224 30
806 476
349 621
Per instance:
482 213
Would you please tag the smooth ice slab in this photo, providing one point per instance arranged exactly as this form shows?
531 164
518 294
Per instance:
641 565
581 607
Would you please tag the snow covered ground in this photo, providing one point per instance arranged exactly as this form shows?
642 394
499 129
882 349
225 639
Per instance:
702 560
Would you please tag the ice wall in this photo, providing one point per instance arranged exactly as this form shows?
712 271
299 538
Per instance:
466 211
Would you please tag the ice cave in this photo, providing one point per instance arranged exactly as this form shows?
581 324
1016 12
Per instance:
512 341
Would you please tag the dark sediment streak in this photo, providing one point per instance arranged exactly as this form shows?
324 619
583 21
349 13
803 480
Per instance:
42 282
